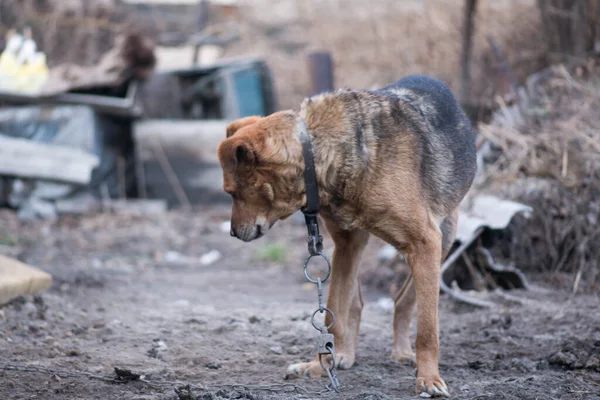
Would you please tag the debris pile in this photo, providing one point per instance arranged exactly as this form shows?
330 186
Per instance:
544 151
131 57
79 124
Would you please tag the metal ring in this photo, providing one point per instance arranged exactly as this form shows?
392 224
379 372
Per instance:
332 352
306 269
328 367
312 319
331 367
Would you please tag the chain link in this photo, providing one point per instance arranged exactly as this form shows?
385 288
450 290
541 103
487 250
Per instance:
320 295
124 376
325 341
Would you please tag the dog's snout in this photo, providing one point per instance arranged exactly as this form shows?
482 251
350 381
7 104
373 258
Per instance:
248 232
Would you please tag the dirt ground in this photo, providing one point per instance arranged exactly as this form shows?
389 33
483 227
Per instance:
120 299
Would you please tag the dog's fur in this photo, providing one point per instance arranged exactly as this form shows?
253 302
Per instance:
395 163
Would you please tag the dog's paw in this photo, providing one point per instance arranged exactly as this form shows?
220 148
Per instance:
313 369
432 386
308 370
406 358
344 361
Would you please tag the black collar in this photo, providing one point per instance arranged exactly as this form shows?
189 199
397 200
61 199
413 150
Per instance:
311 209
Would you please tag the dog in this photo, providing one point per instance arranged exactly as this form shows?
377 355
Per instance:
394 163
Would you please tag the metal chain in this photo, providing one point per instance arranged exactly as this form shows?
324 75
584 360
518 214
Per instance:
124 376
60 373
325 340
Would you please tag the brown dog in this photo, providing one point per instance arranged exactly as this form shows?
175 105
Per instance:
394 163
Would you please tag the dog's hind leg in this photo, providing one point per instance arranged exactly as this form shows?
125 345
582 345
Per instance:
406 298
345 300
404 305
424 258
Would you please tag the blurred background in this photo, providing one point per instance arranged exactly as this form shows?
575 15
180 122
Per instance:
114 229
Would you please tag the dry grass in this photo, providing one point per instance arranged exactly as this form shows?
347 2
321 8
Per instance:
552 162
560 136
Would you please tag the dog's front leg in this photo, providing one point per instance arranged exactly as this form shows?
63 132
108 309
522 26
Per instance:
345 300
424 260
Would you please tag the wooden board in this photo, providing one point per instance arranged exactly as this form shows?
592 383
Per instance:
19 279
29 159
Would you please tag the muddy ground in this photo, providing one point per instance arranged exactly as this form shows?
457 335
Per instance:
120 299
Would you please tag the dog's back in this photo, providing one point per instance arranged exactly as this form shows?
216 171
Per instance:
446 140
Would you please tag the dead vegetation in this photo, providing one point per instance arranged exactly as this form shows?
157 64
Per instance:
571 27
550 159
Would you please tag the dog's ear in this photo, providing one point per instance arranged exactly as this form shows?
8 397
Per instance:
234 126
238 154
244 154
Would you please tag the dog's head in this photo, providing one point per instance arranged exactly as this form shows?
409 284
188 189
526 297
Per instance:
261 172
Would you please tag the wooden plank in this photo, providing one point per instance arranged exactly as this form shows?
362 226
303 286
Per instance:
29 159
19 279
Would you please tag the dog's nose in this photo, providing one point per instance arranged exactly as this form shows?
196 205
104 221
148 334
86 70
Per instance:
232 233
